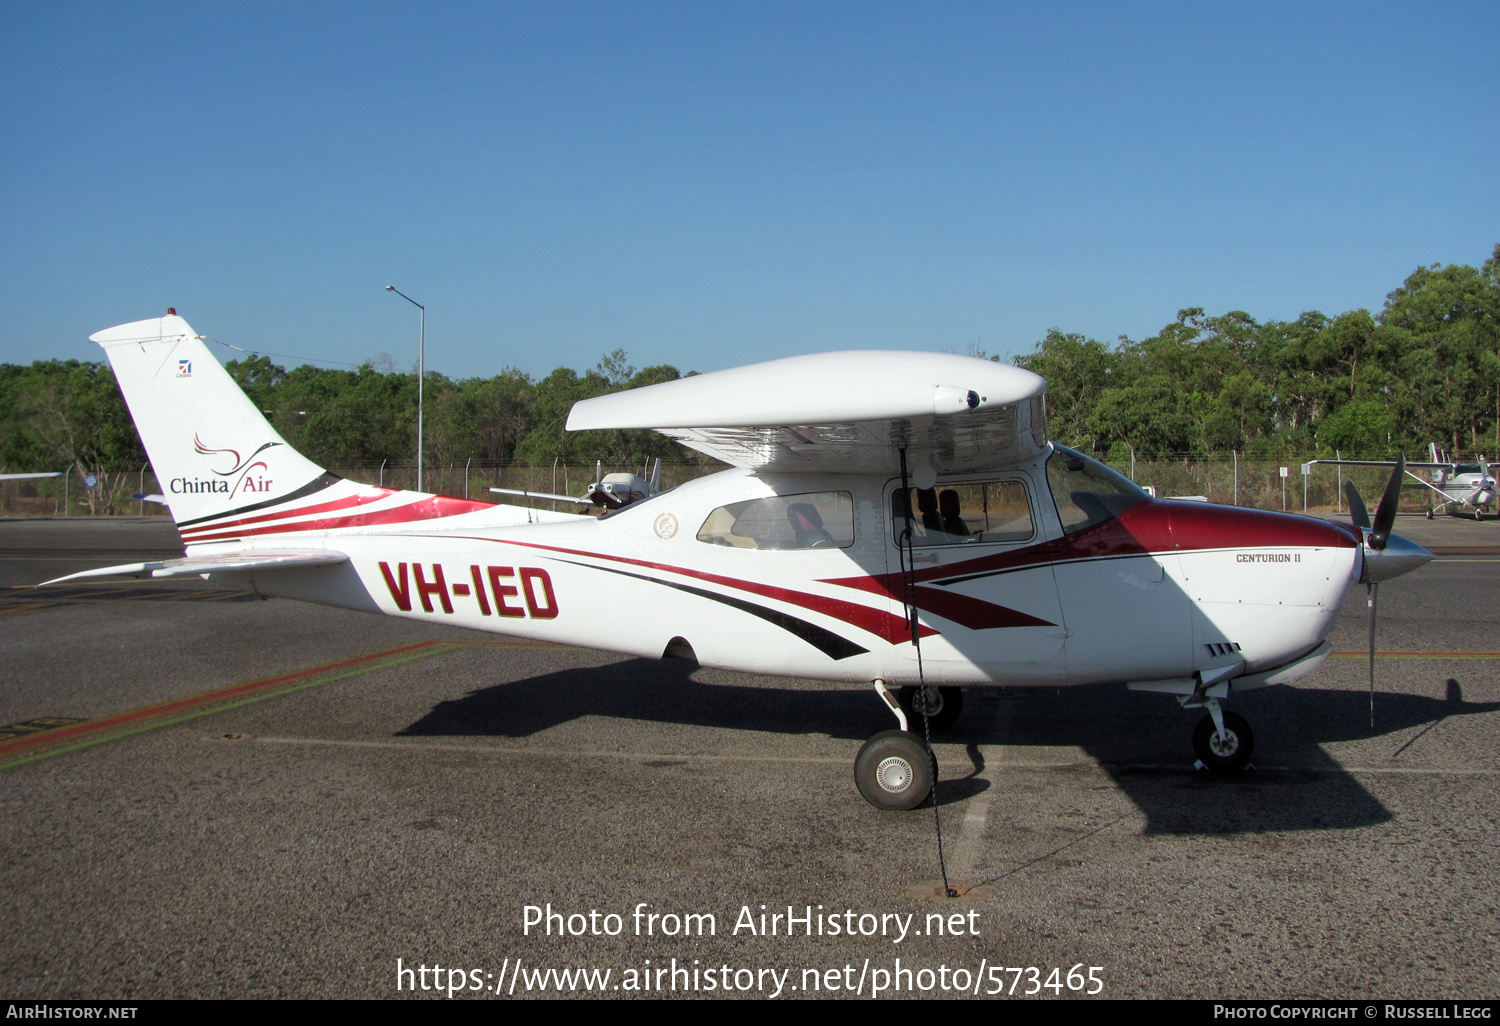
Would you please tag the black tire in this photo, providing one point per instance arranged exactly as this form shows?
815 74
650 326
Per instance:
1231 756
893 771
950 706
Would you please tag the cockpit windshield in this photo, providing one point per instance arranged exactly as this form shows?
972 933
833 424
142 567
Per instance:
1085 491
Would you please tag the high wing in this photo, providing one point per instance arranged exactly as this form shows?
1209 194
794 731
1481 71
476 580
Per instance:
192 565
849 412
1382 463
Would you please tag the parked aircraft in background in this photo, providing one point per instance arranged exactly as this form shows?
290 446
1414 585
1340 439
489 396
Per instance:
607 492
890 518
1459 484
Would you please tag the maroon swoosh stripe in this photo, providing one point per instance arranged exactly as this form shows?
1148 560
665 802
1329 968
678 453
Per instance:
1144 529
974 614
425 509
879 622
324 507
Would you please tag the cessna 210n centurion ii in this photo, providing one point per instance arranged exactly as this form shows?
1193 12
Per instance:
890 519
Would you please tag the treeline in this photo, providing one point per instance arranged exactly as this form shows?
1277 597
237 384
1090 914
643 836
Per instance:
362 417
59 414
1426 368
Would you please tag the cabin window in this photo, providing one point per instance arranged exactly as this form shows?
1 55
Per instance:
1087 492
965 514
816 520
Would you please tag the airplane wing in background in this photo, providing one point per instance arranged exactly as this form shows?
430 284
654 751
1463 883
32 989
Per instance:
1381 463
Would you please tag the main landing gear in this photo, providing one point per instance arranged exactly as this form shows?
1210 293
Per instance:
944 705
894 768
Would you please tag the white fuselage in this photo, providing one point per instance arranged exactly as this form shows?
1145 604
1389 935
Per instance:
1164 591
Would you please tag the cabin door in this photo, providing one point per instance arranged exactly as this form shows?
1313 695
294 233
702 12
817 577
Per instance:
984 583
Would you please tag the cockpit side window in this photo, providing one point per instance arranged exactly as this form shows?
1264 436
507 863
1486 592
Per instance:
965 513
1086 492
815 520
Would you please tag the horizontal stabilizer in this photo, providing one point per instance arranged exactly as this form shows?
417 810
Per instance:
231 562
545 496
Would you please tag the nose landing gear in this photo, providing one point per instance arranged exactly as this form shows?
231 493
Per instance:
1222 740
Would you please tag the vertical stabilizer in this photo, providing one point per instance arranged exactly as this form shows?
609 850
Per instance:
212 450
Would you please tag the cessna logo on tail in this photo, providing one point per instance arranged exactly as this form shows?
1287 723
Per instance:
511 587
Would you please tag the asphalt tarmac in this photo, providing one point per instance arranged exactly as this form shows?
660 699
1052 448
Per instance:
207 795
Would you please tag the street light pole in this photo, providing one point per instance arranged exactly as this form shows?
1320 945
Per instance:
421 357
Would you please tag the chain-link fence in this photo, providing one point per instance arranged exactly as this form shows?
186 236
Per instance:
1260 484
1255 483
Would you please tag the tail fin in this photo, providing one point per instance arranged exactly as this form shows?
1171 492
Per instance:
212 450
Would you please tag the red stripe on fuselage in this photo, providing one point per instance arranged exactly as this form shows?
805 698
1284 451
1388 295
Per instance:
1147 528
879 622
324 507
1197 525
431 508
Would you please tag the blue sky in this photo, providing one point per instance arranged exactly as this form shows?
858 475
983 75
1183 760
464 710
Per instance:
709 184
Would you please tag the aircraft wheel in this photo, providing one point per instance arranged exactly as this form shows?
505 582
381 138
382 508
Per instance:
1232 753
893 770
946 706
1429 514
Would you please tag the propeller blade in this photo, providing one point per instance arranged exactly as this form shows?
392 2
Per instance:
1357 511
1385 514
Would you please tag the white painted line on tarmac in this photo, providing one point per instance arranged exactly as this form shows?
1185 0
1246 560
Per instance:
971 832
418 746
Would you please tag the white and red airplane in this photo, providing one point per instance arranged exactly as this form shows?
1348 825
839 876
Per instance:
891 518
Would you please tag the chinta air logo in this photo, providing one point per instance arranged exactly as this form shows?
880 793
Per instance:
245 474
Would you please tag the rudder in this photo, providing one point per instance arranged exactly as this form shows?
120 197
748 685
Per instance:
213 452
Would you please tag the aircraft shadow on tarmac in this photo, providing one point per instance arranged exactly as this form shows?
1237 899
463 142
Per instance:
1142 741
